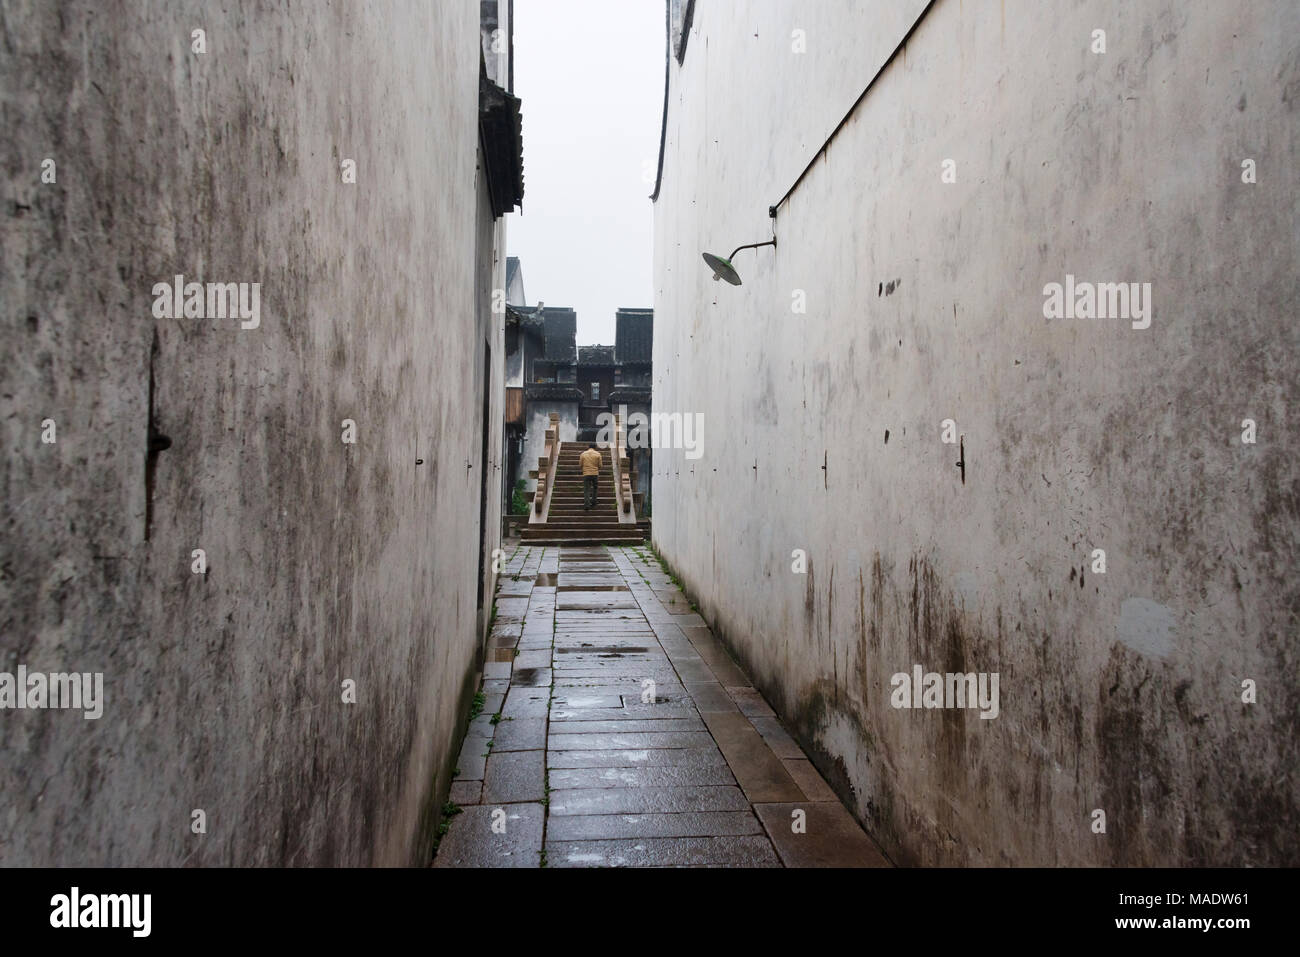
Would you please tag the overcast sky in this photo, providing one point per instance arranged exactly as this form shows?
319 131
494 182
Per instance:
591 77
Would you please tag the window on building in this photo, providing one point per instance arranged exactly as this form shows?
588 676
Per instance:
595 392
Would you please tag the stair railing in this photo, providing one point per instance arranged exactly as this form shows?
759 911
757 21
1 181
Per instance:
546 471
622 469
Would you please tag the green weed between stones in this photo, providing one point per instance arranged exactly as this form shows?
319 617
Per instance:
449 810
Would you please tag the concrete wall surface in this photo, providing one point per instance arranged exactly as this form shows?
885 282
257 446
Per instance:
900 297
326 561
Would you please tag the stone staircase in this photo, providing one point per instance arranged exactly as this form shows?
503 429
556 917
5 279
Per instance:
567 522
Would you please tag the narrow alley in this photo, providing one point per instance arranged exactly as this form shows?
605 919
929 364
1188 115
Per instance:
614 730
451 435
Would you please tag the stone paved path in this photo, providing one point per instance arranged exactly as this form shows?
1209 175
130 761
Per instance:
577 760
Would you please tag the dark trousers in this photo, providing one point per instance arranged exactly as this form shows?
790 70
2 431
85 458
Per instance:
589 491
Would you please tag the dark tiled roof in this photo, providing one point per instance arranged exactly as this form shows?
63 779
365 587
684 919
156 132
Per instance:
553 391
560 328
521 321
595 355
501 131
634 335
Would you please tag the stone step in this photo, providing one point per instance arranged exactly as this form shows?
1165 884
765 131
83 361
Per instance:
577 521
541 534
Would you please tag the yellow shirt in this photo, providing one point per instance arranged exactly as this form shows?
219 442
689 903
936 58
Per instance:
591 462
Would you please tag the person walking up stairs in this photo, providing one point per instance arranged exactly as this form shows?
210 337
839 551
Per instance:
591 461
576 512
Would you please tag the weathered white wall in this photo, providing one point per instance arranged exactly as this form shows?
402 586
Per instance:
515 368
325 561
1119 691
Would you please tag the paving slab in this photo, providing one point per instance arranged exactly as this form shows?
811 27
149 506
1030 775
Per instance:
511 608
623 649
632 711
726 671
643 777
498 668
750 702
759 771
832 837
633 740
465 792
513 777
737 851
812 784
508 587
563 728
471 842
646 800
472 759
480 727
688 619
577 699
647 757
526 703
710 696
580 827
777 738
534 658
531 677
679 650
520 734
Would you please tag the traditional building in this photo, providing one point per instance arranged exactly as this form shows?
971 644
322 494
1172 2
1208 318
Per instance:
633 366
541 378
547 372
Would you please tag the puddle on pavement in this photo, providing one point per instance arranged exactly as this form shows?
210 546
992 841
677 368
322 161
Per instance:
546 580
603 649
628 699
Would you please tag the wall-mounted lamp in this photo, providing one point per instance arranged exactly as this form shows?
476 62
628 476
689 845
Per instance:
722 267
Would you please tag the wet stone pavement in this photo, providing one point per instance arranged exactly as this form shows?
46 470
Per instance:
616 731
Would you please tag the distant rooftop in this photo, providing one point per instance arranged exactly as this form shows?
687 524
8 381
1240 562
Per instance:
596 355
634 335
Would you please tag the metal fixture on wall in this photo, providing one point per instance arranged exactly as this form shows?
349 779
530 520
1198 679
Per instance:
722 267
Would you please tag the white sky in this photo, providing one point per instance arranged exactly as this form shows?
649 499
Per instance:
591 77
